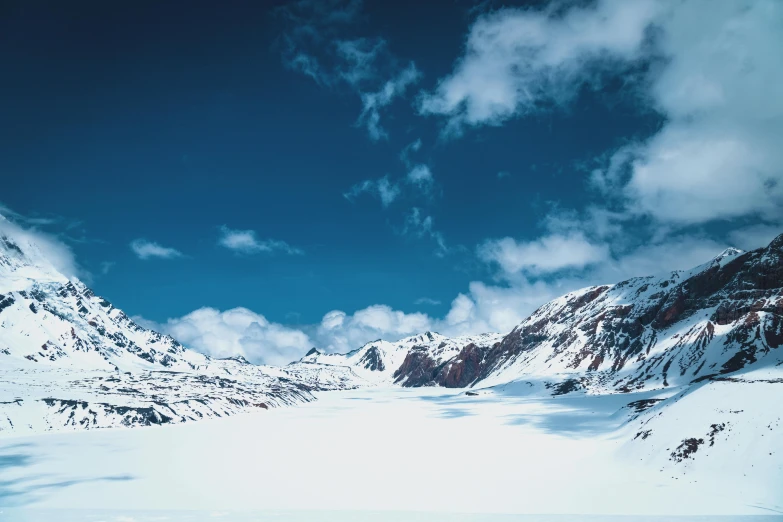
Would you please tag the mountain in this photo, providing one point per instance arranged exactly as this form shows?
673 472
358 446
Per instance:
425 359
640 334
70 359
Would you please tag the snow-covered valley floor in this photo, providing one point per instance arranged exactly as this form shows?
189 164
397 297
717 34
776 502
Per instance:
393 450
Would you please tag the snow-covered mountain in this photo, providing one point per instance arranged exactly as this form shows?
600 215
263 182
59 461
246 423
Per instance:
69 358
425 359
641 334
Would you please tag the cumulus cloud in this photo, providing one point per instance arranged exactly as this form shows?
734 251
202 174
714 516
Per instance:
246 242
517 61
147 249
550 253
341 332
711 70
237 331
312 45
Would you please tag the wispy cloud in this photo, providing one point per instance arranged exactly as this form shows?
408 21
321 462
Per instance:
246 242
374 102
148 249
408 150
106 266
426 301
384 189
421 177
312 45
421 226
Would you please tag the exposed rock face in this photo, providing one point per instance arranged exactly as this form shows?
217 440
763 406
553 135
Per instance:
373 360
648 332
418 368
645 332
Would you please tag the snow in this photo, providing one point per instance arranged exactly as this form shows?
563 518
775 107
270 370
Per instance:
401 450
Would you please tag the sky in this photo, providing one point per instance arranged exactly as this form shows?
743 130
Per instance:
258 178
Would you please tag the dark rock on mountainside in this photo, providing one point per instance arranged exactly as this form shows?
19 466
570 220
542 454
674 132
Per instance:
644 332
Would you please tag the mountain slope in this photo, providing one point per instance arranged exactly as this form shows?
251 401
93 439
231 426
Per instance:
428 358
644 333
649 332
70 359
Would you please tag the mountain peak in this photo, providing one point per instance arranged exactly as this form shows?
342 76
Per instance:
777 243
730 252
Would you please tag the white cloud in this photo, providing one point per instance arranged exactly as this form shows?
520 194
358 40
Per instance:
41 248
518 60
237 331
712 71
386 190
245 242
340 332
147 249
548 254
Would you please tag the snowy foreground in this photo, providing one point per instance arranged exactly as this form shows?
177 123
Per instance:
391 454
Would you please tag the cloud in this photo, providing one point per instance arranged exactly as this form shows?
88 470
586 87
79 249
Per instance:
420 226
386 190
341 332
40 248
426 301
421 177
405 153
147 249
548 254
311 45
373 102
245 242
503 174
106 266
237 331
518 61
710 70
755 236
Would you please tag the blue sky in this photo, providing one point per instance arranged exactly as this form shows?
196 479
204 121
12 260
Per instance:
259 178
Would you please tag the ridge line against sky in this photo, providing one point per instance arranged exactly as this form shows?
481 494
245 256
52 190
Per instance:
690 166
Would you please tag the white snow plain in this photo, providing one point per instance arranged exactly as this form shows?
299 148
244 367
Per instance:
389 454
